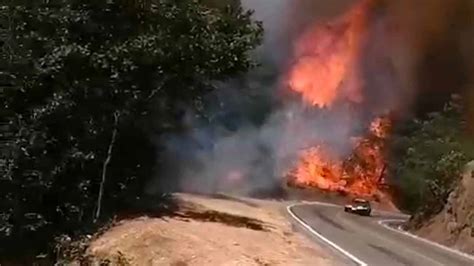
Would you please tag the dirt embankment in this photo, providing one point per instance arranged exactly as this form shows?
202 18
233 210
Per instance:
212 231
454 226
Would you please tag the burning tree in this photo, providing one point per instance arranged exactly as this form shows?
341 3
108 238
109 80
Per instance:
361 173
327 73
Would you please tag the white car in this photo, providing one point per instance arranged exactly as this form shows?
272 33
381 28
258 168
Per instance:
359 206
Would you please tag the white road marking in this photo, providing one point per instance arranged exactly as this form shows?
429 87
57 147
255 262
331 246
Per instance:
380 222
324 239
376 235
384 223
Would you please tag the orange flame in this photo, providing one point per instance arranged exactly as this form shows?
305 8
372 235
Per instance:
360 174
324 74
318 170
326 57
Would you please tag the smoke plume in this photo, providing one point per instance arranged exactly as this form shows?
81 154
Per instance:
253 132
433 51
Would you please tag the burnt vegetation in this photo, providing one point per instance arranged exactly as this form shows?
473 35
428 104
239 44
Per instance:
224 218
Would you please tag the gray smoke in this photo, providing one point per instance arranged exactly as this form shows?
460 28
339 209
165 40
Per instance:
253 157
284 20
251 134
249 138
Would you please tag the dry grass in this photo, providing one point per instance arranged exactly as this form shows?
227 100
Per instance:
212 231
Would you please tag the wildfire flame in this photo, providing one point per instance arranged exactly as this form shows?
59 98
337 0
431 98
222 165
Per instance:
324 73
326 56
361 174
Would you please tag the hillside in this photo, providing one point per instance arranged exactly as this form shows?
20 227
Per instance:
211 231
454 225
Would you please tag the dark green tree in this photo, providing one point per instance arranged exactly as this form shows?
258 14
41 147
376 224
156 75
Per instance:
89 74
429 154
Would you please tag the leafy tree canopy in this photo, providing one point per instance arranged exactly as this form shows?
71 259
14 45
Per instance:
84 74
429 154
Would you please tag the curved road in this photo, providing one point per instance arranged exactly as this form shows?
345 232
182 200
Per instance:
359 240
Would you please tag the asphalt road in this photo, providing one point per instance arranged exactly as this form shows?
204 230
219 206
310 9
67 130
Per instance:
368 242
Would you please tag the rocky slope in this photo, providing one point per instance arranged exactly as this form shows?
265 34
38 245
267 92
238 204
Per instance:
454 226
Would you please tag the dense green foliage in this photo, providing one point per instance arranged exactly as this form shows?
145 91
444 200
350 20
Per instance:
91 80
429 154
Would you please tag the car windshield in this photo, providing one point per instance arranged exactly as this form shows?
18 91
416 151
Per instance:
361 202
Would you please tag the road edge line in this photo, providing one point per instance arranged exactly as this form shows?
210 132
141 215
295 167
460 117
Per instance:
321 237
406 233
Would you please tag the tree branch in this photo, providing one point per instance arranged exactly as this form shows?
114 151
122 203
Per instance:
106 164
156 90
